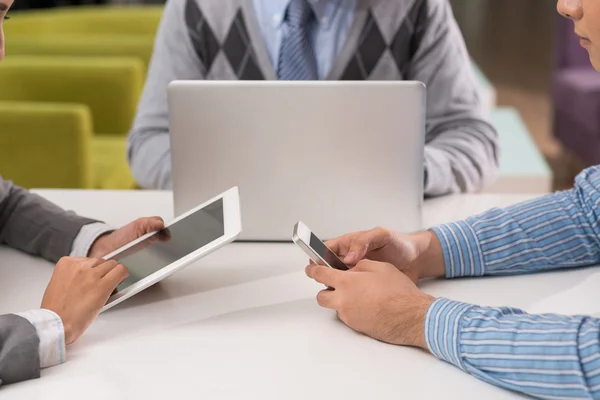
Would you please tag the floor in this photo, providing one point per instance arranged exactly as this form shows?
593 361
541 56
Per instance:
512 41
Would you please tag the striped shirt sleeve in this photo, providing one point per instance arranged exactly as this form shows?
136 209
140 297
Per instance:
556 231
544 356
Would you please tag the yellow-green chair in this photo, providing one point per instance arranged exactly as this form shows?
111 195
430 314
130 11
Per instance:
88 20
110 87
64 103
69 89
52 145
84 46
84 31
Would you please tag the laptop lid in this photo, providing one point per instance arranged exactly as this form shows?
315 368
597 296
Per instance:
340 156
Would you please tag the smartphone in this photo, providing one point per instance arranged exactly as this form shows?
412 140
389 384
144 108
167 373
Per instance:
316 249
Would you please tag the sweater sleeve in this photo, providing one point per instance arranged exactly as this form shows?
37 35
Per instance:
461 152
178 42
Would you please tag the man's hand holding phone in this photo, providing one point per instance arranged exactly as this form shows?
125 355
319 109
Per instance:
376 298
418 256
314 247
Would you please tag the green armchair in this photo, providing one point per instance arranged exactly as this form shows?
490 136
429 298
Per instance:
64 120
83 46
99 20
50 144
85 31
69 90
110 87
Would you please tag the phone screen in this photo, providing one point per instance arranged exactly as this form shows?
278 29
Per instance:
326 254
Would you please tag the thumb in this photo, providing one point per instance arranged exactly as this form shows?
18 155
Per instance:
147 225
365 242
157 223
357 251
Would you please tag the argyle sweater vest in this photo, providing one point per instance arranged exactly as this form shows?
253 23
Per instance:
382 41
388 40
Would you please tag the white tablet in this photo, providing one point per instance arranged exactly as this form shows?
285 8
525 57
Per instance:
186 239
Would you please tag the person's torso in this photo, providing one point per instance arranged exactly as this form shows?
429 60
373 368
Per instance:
352 39
327 33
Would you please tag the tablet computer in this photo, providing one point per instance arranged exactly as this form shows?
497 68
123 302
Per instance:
189 237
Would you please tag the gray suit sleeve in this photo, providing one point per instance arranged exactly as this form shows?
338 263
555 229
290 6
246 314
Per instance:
19 350
34 225
461 153
174 58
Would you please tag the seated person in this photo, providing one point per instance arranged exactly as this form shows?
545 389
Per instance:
545 356
318 40
79 287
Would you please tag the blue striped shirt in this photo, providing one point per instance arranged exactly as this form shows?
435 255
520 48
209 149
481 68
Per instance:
545 356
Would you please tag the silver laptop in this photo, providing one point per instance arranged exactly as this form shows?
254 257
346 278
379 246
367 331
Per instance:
339 156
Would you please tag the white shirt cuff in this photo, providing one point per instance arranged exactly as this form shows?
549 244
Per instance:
50 331
86 237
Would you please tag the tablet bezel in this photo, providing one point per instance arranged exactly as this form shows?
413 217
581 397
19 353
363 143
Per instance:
232 223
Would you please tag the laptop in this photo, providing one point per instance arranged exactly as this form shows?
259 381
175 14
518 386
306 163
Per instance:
339 156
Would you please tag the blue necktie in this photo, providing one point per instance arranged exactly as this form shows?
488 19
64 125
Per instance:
297 61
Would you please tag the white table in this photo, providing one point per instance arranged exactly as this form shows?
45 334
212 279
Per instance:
243 324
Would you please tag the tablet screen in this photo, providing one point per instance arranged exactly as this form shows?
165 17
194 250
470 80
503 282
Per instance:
176 241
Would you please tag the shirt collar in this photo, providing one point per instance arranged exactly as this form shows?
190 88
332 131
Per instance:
324 11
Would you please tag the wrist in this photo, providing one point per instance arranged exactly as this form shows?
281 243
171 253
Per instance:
86 242
65 325
69 336
416 320
102 245
430 258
